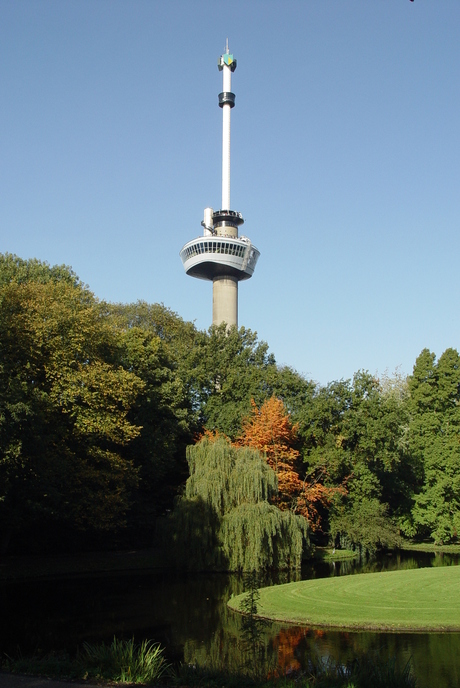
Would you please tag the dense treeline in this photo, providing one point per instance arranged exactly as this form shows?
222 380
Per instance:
98 403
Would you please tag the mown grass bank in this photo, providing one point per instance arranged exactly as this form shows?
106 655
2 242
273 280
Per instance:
430 547
332 554
412 600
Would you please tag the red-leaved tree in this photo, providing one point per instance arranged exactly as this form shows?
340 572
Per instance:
269 429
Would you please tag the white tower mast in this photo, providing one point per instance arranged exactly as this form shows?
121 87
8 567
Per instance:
227 68
225 287
220 255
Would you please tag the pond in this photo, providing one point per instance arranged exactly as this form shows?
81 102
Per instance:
189 615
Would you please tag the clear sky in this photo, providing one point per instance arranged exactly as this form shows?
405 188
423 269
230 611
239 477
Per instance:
345 162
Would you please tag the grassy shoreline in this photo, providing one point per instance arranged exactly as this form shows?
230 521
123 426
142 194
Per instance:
430 548
416 600
332 554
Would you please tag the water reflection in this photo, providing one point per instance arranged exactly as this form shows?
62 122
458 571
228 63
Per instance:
189 615
435 656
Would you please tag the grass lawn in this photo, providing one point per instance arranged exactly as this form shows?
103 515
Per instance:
330 554
431 547
417 600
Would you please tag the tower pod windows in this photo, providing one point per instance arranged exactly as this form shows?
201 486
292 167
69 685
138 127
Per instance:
229 247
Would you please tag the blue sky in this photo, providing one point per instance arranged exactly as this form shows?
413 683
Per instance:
345 162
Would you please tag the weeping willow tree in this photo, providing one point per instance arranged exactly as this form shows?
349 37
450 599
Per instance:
225 521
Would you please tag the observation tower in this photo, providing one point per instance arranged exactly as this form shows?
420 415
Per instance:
220 255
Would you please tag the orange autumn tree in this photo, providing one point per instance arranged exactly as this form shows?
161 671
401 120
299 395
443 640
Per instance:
211 435
270 430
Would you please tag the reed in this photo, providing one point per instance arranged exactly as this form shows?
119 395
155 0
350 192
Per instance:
125 661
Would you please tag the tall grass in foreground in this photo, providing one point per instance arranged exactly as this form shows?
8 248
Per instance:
125 661
121 661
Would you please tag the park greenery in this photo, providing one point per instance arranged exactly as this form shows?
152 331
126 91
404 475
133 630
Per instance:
99 402
425 599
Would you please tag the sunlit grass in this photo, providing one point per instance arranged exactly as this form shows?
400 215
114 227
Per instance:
332 554
420 599
431 547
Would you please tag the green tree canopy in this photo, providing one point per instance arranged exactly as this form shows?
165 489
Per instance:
224 519
434 438
227 369
98 402
15 269
353 434
64 405
156 345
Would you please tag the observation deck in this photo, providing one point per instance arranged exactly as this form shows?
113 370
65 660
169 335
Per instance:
215 255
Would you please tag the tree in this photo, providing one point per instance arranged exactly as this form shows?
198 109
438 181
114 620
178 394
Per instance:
434 438
355 432
178 337
19 271
224 520
227 369
155 346
64 404
270 430
296 392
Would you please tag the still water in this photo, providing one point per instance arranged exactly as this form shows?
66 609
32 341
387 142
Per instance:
188 614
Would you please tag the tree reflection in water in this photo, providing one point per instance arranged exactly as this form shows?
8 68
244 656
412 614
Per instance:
287 649
189 615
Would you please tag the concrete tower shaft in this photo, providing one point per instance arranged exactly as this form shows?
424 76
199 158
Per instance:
225 301
220 254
